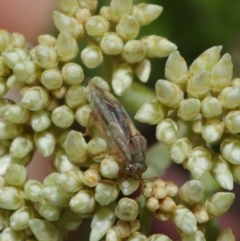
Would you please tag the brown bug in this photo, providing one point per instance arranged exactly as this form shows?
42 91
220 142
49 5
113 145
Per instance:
112 120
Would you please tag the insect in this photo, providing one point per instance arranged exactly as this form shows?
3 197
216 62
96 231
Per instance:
111 119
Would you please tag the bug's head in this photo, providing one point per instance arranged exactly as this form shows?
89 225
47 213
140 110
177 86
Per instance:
136 168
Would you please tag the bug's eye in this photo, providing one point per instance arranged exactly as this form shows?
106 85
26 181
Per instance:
130 169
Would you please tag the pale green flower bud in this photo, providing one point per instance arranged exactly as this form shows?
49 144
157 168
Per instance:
211 107
232 122
4 69
102 221
199 84
40 120
206 60
76 96
105 12
89 4
176 70
159 237
122 229
51 180
32 189
199 161
4 104
20 218
134 51
18 40
47 39
96 26
109 167
13 83
60 92
185 220
192 191
61 162
122 78
76 148
197 236
14 56
3 183
198 125
167 131
137 237
112 235
45 56
45 142
229 97
180 150
62 116
55 196
230 150
67 47
82 114
91 176
200 213
72 73
51 79
168 93
226 234
27 72
71 181
68 24
221 172
146 13
101 83
83 202
167 205
129 186
151 112
9 234
69 7
82 15
235 169
4 39
49 211
172 189
92 56
11 198
212 130
119 8
5 216
127 209
235 82
17 114
143 70
219 203
152 204
221 73
189 109
3 87
9 130
105 193
128 27
35 98
111 44
69 220
45 230
157 46
97 148
16 175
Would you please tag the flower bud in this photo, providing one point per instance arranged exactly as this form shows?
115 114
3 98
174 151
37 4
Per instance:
72 73
129 186
167 205
62 116
159 237
189 109
16 175
219 203
136 236
82 15
143 70
40 120
168 93
126 209
83 202
206 60
192 191
13 83
109 167
152 204
111 44
9 130
198 85
212 130
68 7
176 70
198 235
105 12
4 69
49 211
91 176
128 27
4 39
11 198
232 122
235 82
45 230
167 131
51 180
146 13
120 8
82 114
221 172
200 213
92 56
199 162
96 26
185 220
18 40
11 235
226 234
97 148
211 107
157 46
32 189
3 87
221 73
122 78
76 96
91 5
47 39
229 97
66 47
51 79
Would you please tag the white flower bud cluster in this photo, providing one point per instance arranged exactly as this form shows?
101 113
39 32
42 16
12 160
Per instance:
198 108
